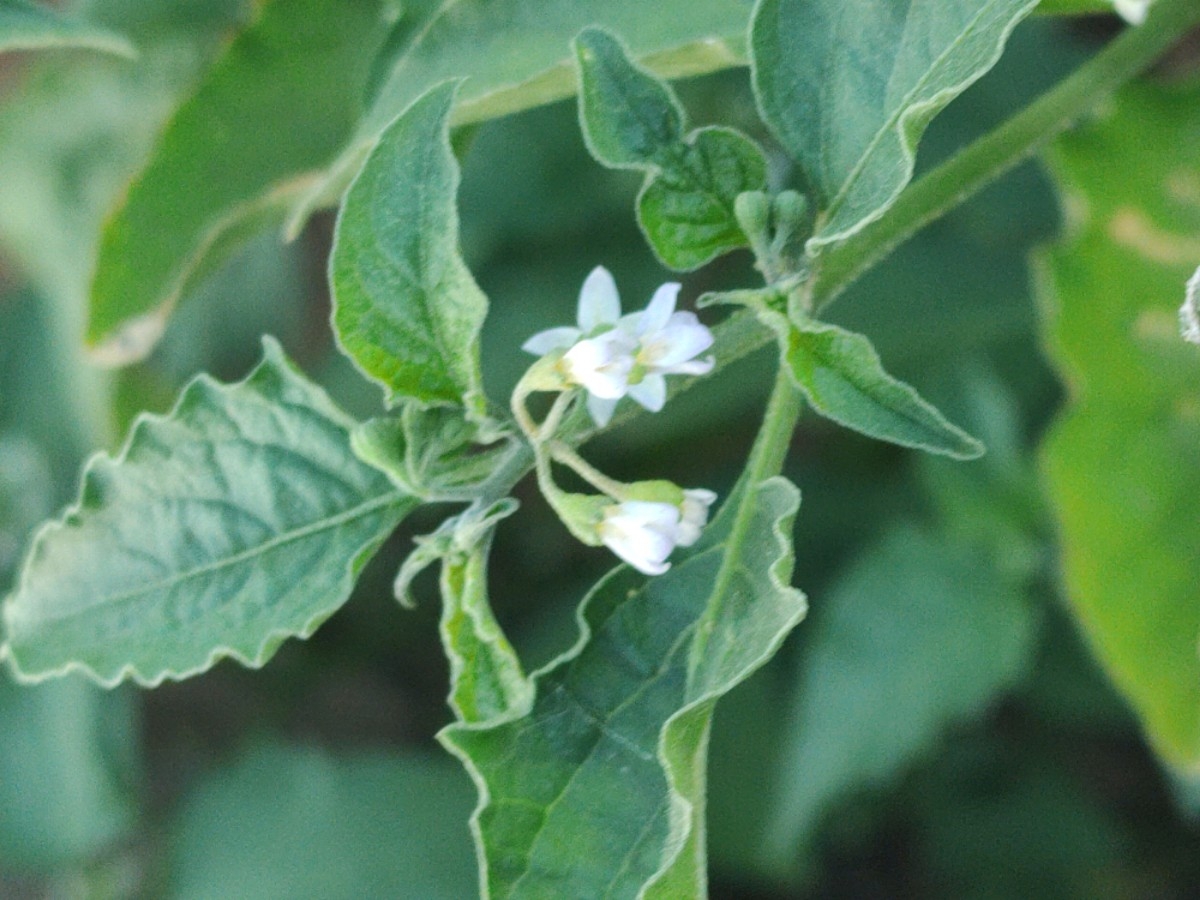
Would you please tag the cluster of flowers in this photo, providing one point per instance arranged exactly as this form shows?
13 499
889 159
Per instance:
611 356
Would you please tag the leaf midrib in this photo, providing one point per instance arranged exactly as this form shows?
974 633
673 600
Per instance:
360 511
892 121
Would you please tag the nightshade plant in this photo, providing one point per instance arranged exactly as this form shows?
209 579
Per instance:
244 516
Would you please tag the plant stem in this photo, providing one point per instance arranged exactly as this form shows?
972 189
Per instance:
766 460
998 151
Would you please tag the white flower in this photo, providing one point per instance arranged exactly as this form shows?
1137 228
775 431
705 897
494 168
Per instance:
601 365
1132 11
645 532
610 355
668 343
693 515
1189 313
641 532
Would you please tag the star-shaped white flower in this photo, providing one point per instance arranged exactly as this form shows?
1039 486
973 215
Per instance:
610 355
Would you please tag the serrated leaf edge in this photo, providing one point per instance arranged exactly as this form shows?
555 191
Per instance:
273 358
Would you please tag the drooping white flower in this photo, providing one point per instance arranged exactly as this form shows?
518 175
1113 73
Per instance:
610 355
641 532
1132 11
693 515
1189 313
645 532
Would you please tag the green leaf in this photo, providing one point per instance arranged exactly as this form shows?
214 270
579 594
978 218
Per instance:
285 822
848 87
29 26
632 119
486 678
1122 463
240 519
406 308
278 104
598 789
515 55
430 452
843 379
920 634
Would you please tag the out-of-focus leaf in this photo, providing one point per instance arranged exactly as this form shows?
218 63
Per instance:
63 798
598 789
848 87
631 119
239 520
67 149
922 632
279 103
993 818
1122 464
25 25
406 308
285 822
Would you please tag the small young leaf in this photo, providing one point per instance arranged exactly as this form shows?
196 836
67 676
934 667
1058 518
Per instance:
848 87
687 211
486 679
632 119
240 519
597 788
430 452
25 25
406 308
843 379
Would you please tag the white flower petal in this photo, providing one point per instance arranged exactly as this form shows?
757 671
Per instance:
692 367
601 409
656 315
601 365
650 392
642 533
693 515
599 303
551 339
680 339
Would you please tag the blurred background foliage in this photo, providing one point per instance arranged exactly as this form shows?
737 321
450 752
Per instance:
935 728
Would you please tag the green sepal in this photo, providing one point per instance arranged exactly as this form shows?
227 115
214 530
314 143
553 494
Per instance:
434 453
